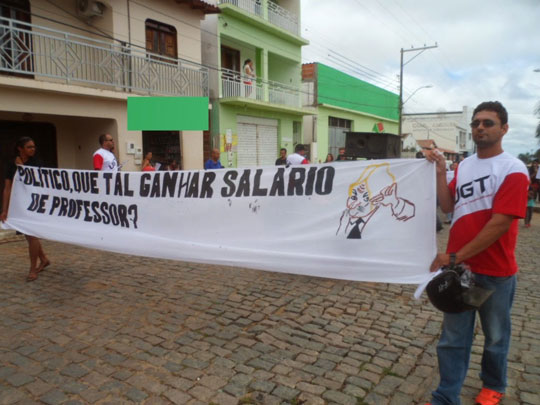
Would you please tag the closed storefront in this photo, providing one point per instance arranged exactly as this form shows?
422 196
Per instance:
257 141
337 128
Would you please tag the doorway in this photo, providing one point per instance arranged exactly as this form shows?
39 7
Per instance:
165 147
337 134
230 59
43 134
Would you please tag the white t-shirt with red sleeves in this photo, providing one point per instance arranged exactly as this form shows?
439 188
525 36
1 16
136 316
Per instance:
105 160
481 188
296 159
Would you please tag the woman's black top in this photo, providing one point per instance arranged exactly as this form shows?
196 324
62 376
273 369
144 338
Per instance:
12 167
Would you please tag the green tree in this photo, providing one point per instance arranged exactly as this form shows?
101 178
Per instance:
529 156
525 157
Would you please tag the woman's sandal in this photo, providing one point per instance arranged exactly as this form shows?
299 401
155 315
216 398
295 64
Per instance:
32 276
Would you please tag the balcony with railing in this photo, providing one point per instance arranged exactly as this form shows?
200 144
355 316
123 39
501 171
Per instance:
274 13
235 85
283 18
29 50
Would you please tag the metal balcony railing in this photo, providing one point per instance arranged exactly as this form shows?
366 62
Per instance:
277 15
234 84
251 6
46 54
279 93
283 18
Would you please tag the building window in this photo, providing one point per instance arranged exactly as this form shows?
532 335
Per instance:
339 122
297 132
337 134
161 39
230 60
16 55
462 139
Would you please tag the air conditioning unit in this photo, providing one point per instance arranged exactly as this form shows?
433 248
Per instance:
90 8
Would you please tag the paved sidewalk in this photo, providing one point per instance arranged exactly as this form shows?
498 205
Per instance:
107 328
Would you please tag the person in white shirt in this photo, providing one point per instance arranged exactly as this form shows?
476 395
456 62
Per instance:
487 196
249 76
298 157
104 158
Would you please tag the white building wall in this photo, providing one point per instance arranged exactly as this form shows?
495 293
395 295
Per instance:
210 52
444 128
79 113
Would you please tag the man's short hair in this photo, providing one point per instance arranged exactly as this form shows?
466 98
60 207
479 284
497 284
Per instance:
102 138
283 149
300 147
494 106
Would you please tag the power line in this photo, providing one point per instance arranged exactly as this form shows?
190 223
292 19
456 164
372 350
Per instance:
363 70
346 67
104 34
328 39
382 79
271 44
398 20
386 84
413 19
351 66
391 28
135 43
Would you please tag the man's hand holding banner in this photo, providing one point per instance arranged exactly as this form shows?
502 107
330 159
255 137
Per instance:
364 221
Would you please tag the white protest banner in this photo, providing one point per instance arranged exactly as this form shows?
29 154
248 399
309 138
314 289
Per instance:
365 221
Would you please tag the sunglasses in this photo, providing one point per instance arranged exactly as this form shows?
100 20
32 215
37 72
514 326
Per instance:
485 123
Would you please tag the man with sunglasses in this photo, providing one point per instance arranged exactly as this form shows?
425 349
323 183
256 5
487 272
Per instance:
487 196
104 158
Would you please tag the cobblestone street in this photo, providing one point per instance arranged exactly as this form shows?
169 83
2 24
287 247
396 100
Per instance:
98 327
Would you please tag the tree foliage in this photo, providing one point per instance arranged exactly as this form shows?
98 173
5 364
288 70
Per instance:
529 157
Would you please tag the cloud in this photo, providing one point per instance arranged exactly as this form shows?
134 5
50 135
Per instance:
487 50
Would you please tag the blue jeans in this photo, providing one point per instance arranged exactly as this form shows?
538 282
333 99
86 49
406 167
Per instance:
454 348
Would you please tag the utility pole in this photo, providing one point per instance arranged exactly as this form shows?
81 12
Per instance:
421 50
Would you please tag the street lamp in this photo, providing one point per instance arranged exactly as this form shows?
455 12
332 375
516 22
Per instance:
429 86
401 65
536 70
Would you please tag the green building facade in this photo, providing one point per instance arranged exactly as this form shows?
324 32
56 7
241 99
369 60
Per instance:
343 103
253 117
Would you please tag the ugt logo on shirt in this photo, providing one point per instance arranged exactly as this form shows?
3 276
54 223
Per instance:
467 190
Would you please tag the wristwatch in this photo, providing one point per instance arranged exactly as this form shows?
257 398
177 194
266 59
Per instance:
452 259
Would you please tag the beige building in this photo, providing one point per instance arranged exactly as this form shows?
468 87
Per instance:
449 130
67 68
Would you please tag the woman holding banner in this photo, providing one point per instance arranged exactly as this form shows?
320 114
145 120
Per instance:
26 149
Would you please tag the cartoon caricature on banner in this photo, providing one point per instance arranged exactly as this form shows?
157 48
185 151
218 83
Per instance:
363 203
356 221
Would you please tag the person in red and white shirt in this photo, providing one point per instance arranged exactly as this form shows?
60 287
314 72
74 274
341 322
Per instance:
104 158
487 196
298 157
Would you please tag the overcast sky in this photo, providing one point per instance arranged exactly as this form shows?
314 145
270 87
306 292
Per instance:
487 50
